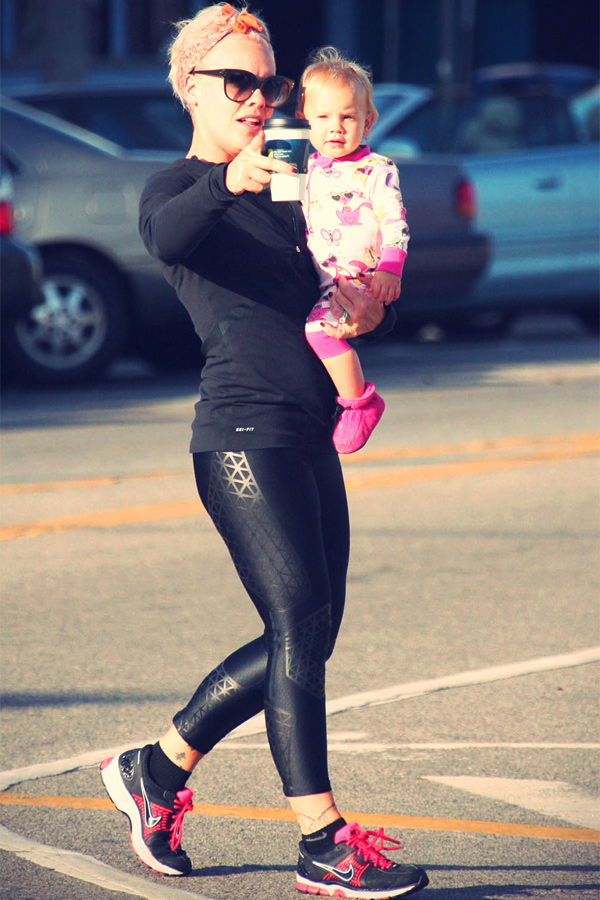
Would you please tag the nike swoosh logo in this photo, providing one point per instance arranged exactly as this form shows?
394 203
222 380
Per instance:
150 820
342 874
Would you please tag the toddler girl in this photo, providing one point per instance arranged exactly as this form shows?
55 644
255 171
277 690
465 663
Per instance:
356 225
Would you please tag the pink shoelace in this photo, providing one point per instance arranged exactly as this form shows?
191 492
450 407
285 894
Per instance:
183 804
369 844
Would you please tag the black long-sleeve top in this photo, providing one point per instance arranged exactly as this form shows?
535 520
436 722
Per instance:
241 267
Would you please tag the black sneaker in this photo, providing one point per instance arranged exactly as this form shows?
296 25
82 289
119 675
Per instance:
357 868
156 815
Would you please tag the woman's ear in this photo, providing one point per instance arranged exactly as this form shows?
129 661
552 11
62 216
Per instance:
189 91
299 114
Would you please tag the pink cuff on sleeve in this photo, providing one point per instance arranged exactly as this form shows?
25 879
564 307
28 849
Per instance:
392 260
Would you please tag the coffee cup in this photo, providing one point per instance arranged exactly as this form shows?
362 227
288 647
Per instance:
288 140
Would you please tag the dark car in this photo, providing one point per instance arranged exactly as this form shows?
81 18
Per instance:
20 265
77 196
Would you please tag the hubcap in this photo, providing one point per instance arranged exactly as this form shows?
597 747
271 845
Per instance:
68 328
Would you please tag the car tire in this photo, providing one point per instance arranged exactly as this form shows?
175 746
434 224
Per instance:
76 332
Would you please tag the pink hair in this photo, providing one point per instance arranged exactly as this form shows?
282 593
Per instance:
196 37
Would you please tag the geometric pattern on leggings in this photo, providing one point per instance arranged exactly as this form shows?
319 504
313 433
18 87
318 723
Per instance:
306 649
273 565
281 723
216 686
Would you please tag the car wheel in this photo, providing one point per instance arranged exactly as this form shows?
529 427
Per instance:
78 329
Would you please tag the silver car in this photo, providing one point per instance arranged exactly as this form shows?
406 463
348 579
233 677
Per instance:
531 149
76 199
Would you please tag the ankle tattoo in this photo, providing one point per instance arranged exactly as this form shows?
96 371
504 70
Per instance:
309 824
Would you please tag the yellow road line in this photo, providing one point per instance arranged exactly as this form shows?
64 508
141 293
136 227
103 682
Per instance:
572 448
460 469
378 820
466 448
381 454
108 518
39 487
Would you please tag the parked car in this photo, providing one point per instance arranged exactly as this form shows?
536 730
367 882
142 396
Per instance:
559 78
20 265
445 254
530 146
77 199
137 115
142 114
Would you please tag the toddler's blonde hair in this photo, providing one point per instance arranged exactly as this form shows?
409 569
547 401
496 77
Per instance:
328 66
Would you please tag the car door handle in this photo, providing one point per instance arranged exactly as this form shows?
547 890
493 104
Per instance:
548 183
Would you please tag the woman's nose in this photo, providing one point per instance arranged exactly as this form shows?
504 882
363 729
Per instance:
257 98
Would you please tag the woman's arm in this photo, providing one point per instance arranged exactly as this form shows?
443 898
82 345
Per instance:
176 212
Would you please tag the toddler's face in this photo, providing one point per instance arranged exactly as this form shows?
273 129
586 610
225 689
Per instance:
338 118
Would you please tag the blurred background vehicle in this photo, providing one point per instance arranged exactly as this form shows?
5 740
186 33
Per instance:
525 134
528 137
136 114
77 200
20 266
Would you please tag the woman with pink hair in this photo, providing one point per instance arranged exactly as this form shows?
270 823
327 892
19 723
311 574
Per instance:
264 461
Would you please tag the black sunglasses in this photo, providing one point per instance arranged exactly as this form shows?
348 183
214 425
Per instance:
239 85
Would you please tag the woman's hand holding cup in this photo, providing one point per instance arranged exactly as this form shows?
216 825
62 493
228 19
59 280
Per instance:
251 171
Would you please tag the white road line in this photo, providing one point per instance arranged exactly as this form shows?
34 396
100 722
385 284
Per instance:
256 725
551 798
88 869
61 766
377 747
85 868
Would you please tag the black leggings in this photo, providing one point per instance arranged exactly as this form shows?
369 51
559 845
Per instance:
284 517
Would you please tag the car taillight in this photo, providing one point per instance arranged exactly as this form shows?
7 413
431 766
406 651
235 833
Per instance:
7 219
466 201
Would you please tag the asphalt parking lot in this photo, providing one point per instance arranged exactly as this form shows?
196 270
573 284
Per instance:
463 691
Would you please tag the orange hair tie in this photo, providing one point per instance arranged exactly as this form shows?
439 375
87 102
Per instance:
244 21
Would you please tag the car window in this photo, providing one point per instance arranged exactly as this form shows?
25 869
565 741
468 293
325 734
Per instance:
585 110
137 122
385 102
488 124
426 130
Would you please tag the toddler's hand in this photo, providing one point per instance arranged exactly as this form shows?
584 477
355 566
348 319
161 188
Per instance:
385 286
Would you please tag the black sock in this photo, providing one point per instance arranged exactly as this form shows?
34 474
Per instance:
165 772
322 840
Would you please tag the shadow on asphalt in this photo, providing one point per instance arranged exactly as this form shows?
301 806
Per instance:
132 384
35 700
478 891
222 871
